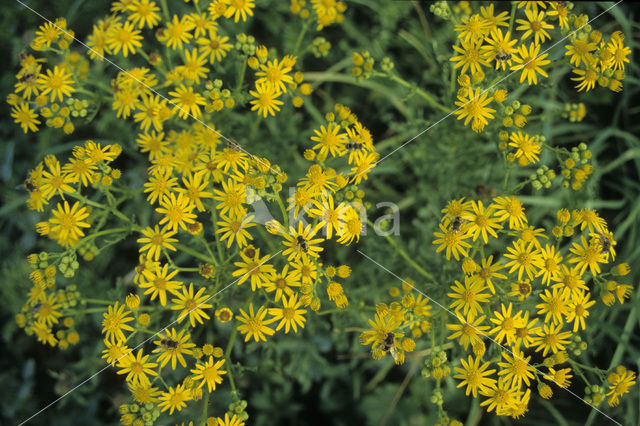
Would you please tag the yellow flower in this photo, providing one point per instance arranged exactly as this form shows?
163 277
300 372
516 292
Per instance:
550 264
530 62
155 240
329 141
123 37
555 306
276 74
177 32
468 296
506 324
501 397
516 369
231 198
620 382
27 118
47 311
580 51
534 24
144 13
254 325
186 102
144 394
195 186
227 421
328 214
136 368
58 83
453 241
215 46
176 211
499 48
587 78
174 399
266 99
301 243
474 376
282 283
149 113
579 304
351 226
510 208
191 305
474 107
549 337
489 270
525 259
472 28
66 223
47 33
469 331
290 315
172 346
114 351
159 282
254 267
470 56
193 68
235 228
209 373
560 377
587 256
619 53
481 222
114 321
238 9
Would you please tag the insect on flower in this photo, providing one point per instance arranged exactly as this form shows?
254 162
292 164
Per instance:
456 224
387 345
168 343
29 185
234 145
302 243
353 146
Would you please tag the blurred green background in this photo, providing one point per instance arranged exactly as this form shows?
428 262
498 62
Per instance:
324 375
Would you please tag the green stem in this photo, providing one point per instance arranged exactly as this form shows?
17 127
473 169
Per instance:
99 301
205 403
579 371
406 257
283 210
206 245
512 17
214 221
305 27
227 354
90 311
85 200
419 91
165 10
242 72
195 253
254 127
99 234
144 55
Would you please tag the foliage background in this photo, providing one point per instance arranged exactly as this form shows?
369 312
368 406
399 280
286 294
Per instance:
324 375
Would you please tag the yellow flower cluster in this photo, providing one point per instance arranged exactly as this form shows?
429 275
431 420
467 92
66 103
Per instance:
326 12
532 298
393 323
486 42
206 194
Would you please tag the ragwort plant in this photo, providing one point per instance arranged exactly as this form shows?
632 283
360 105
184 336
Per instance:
521 295
202 238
